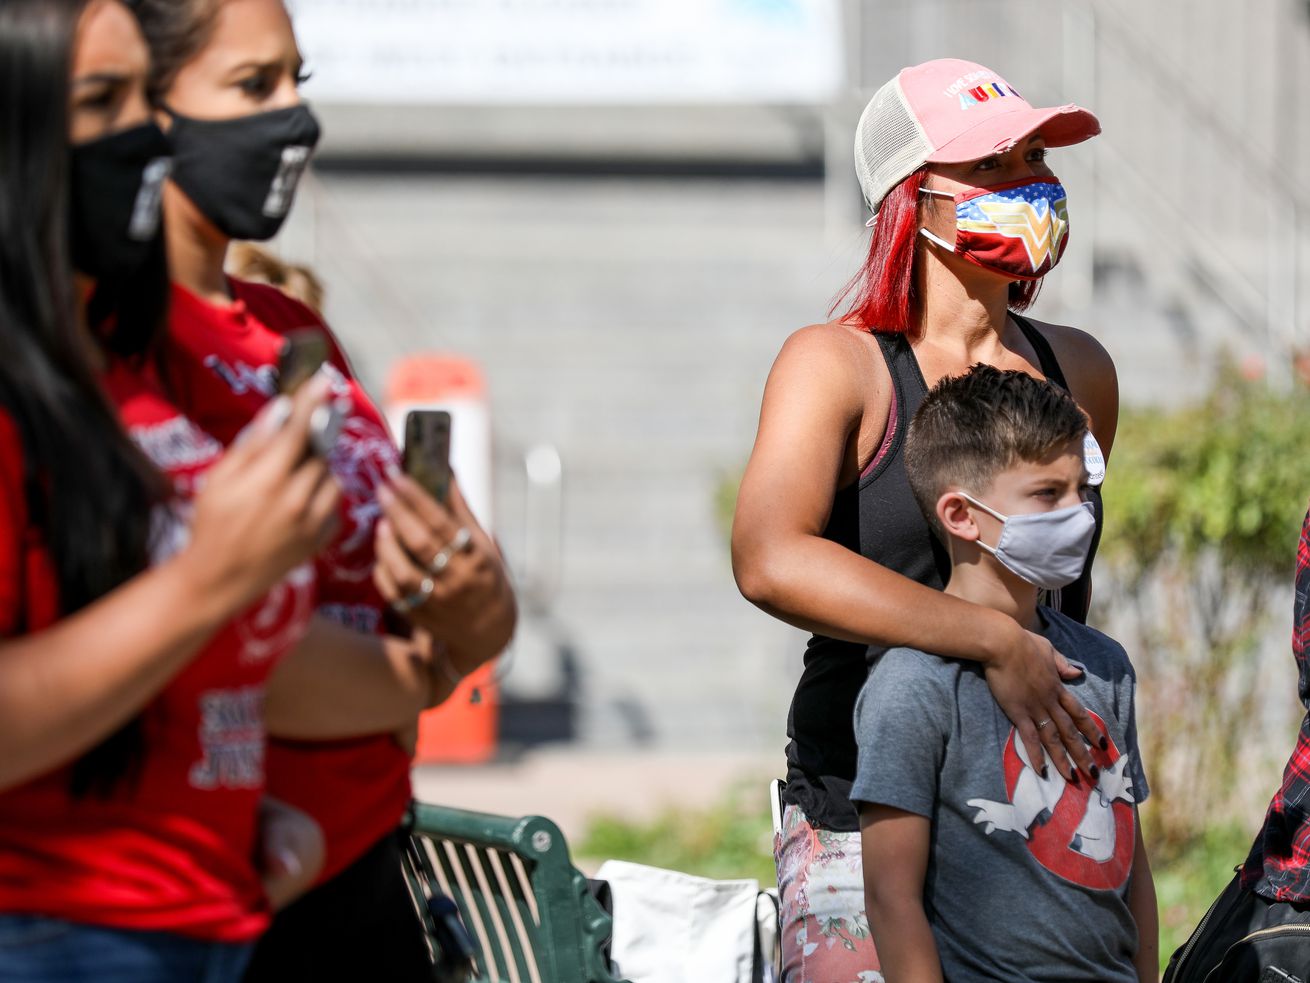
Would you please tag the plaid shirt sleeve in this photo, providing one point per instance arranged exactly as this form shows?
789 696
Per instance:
1279 865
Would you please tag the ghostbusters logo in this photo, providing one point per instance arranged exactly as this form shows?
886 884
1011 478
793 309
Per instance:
1083 833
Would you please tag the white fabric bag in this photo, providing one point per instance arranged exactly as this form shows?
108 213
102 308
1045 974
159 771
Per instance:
671 927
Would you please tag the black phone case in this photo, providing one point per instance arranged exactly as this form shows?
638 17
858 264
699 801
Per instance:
427 451
302 355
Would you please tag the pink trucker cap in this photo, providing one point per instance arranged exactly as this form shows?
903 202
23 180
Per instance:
946 112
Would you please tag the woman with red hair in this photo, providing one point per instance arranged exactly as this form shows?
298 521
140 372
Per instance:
968 217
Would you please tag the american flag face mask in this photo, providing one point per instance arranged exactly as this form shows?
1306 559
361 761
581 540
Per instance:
1018 229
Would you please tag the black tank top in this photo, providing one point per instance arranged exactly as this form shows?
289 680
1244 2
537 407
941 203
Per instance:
878 517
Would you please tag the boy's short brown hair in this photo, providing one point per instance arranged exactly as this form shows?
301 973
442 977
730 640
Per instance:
971 427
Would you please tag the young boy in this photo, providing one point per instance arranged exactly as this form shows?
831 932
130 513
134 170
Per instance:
981 863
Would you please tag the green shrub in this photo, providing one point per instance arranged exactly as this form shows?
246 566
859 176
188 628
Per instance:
1188 879
728 839
1203 508
1231 474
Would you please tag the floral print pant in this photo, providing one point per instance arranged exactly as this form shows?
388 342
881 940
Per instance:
825 932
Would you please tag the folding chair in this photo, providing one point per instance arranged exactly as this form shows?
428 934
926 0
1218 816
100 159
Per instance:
527 910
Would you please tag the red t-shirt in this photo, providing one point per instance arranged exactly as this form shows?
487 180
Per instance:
175 850
223 361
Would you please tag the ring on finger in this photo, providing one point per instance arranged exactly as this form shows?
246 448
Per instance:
458 543
1044 723
410 601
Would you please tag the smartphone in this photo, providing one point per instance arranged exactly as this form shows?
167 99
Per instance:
302 355
427 451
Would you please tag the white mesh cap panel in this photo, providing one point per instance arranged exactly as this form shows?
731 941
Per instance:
889 144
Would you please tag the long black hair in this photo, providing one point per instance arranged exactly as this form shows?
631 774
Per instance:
89 491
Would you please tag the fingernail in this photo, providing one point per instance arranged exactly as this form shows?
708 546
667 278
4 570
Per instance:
392 471
277 412
320 383
385 496
1105 745
1095 772
1074 779
1046 772
289 861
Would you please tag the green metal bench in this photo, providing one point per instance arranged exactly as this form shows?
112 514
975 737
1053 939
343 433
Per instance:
526 907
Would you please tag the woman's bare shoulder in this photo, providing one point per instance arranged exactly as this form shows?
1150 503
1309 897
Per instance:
831 379
836 353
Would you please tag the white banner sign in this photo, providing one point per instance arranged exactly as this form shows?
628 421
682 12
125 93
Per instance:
578 52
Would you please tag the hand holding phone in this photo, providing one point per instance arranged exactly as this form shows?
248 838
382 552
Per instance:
427 451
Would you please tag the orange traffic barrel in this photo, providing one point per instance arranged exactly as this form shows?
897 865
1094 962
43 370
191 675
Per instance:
463 729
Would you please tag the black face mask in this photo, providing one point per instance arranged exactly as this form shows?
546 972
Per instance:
242 173
117 186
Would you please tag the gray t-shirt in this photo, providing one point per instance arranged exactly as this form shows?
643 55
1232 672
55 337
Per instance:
1027 878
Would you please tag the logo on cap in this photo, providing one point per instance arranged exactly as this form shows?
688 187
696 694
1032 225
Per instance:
984 93
978 87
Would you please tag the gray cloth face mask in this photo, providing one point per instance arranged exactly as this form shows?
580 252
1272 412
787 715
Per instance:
1047 549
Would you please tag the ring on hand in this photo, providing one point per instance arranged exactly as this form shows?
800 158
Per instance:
458 542
410 601
1044 723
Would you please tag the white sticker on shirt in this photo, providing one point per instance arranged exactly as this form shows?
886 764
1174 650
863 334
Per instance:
1093 460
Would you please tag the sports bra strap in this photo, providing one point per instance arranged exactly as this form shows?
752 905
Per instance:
1046 359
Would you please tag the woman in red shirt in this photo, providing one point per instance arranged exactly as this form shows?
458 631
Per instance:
148 580
224 79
